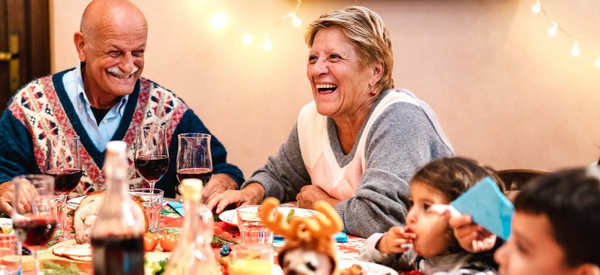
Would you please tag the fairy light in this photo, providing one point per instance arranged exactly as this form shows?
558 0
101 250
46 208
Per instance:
267 46
220 21
247 39
537 7
555 29
575 50
296 22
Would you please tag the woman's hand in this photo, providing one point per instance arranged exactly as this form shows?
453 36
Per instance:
472 237
251 194
309 194
392 241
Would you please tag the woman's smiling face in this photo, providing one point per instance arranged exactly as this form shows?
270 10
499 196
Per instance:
340 84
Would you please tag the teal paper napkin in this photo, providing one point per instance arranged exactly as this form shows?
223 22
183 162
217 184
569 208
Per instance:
340 237
177 206
488 207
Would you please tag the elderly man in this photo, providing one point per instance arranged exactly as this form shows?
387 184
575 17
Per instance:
104 98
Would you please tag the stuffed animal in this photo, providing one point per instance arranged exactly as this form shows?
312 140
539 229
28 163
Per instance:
309 247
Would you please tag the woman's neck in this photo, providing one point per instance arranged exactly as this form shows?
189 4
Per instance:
348 128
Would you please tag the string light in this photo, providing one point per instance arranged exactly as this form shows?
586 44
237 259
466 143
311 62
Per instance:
553 31
575 50
537 7
295 20
247 39
219 21
267 46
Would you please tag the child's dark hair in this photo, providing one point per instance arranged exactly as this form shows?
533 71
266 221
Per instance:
454 176
571 201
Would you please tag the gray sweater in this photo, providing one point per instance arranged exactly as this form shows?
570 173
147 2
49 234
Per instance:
404 138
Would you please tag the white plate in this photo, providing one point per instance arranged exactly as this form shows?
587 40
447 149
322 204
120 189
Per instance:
5 222
230 216
370 268
74 203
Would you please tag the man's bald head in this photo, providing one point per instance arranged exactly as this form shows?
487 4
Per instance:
102 14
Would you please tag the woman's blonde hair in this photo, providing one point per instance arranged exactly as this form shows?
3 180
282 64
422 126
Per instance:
367 32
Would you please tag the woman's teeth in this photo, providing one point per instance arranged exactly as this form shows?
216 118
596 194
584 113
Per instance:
326 87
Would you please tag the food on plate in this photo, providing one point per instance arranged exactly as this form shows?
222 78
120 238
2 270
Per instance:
77 252
309 247
353 270
87 212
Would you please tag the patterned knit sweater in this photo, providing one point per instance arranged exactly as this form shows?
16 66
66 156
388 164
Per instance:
42 108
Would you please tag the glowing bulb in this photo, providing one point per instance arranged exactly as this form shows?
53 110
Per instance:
296 21
219 21
575 50
246 39
598 62
552 30
536 8
267 45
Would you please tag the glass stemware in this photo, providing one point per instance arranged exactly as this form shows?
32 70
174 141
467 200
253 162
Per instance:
64 165
34 219
194 159
151 153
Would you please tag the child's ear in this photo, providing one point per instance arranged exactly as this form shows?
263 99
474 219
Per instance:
588 269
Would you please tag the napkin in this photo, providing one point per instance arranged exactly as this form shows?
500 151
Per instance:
340 237
177 206
488 207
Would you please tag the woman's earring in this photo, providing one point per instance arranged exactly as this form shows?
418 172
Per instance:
373 93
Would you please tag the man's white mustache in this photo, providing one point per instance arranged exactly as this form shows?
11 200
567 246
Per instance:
120 73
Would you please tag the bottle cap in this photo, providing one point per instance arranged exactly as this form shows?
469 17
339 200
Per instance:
191 189
116 146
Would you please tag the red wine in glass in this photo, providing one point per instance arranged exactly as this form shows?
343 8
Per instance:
203 174
119 254
65 180
36 231
152 168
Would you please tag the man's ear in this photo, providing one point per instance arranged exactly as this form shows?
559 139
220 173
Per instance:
588 269
80 43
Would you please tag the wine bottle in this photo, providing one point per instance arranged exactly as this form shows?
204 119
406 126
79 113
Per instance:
117 233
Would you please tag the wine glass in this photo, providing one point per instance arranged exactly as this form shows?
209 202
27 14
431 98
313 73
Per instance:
151 153
34 220
64 165
194 159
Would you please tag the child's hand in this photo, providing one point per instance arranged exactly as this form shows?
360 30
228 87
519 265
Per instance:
471 236
394 239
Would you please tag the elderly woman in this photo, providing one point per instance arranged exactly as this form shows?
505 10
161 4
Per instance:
359 142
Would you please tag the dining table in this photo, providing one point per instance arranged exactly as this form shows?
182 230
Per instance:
170 222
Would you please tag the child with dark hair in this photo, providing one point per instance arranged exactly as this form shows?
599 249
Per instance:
556 226
435 249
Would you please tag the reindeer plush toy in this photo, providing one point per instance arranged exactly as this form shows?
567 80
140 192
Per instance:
309 247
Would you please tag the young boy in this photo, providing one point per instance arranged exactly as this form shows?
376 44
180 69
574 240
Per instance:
556 226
